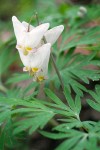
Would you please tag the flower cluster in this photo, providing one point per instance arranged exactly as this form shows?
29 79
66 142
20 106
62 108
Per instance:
33 51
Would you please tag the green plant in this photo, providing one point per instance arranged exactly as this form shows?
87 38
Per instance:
50 109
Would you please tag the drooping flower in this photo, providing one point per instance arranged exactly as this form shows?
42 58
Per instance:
51 35
37 63
33 51
27 41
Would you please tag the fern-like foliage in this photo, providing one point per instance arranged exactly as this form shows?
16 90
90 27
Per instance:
74 68
34 114
95 104
76 134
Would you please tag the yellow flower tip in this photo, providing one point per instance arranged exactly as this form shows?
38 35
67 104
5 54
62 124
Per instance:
35 70
28 48
25 52
40 78
24 49
26 69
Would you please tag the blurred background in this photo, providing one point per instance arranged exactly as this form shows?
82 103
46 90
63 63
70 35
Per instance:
54 11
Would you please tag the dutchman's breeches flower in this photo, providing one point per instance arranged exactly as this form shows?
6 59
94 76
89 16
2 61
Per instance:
37 62
33 51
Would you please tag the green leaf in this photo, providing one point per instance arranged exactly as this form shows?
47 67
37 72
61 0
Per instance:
87 37
52 96
69 124
92 144
6 137
78 103
76 70
95 104
4 115
4 56
40 120
69 99
53 136
18 77
69 143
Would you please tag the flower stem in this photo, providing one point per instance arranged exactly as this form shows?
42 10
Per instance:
55 66
52 58
28 30
37 18
57 71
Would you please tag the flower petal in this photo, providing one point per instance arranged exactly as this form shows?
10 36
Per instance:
28 39
24 58
18 28
34 37
39 59
53 34
25 24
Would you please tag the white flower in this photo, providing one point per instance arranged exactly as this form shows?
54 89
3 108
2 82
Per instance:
33 51
82 11
27 41
51 35
37 63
